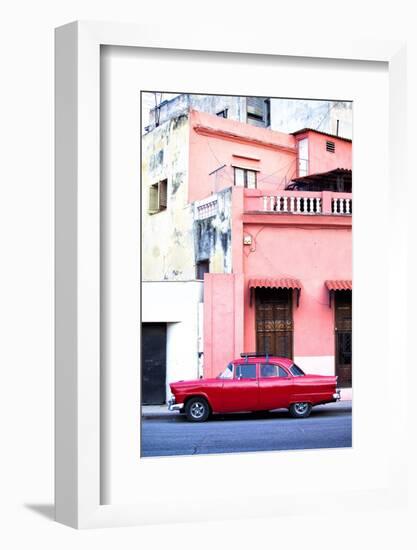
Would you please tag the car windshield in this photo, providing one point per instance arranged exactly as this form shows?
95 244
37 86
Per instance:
228 372
296 371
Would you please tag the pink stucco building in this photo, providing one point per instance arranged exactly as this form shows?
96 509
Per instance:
246 246
273 220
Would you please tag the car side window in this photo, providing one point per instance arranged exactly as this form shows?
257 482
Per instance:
245 371
282 372
296 371
268 371
227 373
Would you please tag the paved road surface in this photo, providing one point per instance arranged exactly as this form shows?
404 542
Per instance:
328 426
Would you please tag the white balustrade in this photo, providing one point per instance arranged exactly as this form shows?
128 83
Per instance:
278 204
304 204
206 208
342 206
347 206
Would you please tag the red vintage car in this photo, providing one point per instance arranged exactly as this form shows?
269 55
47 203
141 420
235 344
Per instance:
254 383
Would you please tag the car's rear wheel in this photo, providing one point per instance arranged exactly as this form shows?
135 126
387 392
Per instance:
197 409
300 410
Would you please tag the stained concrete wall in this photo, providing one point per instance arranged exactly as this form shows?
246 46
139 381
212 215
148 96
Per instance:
172 108
213 236
167 236
288 115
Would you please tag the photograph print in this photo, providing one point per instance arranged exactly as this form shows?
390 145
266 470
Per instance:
246 274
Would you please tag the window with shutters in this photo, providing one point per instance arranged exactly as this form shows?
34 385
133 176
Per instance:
158 197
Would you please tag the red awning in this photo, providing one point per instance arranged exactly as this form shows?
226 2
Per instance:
338 285
275 283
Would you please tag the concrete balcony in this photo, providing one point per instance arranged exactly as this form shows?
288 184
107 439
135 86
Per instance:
305 203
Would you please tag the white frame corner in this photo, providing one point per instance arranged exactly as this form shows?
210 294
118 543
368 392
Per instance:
77 229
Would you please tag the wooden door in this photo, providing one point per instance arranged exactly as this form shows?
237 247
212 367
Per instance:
274 322
343 331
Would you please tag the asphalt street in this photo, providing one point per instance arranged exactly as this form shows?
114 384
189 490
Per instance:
328 426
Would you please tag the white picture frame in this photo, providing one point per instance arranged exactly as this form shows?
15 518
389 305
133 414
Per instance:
79 410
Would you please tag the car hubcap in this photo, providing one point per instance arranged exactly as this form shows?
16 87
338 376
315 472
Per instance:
301 408
197 410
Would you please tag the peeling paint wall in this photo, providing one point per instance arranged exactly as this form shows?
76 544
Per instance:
213 236
236 107
167 236
286 115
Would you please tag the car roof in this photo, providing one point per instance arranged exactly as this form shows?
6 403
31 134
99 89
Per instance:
266 359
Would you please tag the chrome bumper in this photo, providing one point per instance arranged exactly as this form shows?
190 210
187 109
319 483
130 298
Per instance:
336 396
172 406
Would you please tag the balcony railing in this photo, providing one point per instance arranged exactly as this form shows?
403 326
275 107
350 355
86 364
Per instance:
206 208
301 202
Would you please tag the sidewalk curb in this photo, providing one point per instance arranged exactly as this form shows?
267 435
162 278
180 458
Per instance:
164 412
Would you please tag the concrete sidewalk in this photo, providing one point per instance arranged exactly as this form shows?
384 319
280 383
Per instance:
162 410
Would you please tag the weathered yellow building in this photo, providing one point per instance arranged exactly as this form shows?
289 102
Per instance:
167 218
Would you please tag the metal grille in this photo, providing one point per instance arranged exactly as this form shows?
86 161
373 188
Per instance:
343 328
274 323
330 146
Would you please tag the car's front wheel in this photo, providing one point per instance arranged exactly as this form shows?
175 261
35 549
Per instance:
300 410
197 409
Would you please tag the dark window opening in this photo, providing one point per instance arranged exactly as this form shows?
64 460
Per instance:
255 116
267 112
202 267
330 146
